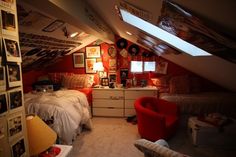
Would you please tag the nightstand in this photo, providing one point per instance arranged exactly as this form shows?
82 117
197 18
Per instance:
65 150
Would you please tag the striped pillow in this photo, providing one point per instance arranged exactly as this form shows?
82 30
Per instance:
77 81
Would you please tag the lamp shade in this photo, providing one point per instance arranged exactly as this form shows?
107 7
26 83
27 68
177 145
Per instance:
98 66
40 135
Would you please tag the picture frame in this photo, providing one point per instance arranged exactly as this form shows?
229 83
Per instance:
112 65
93 51
15 126
12 50
3 127
9 23
162 67
14 75
112 77
104 81
3 103
18 148
78 60
8 4
89 66
2 78
15 100
53 26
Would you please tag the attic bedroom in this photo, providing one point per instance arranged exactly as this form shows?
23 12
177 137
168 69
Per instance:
117 78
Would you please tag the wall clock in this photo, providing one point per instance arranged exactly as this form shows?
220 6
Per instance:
112 51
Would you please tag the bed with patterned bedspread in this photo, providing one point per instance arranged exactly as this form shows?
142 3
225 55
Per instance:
68 109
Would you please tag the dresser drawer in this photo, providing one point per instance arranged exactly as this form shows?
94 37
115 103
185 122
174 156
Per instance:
129 103
129 112
134 94
111 112
108 94
108 103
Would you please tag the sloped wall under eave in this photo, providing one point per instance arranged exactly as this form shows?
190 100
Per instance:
212 68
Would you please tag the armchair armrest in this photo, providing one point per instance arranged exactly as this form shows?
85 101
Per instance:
167 107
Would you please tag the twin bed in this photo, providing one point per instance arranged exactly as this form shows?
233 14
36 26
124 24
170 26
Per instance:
66 111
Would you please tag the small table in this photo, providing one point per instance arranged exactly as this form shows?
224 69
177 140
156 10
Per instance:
65 150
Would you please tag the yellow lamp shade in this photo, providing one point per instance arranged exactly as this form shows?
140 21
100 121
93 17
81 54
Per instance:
40 135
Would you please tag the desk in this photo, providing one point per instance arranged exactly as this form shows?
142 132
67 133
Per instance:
65 150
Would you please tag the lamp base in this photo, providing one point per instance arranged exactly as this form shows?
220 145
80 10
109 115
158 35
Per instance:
50 152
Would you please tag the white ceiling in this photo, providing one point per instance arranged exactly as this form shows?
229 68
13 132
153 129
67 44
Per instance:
219 14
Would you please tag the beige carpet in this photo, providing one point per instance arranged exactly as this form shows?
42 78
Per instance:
114 137
110 137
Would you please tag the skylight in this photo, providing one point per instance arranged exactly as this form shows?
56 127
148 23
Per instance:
162 35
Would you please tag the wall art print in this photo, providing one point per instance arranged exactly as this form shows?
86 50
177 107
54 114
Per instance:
12 50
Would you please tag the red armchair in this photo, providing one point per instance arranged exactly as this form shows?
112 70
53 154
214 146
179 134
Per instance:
157 118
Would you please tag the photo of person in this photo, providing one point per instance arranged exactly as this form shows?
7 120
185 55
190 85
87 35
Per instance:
3 103
14 75
15 125
15 98
18 149
12 50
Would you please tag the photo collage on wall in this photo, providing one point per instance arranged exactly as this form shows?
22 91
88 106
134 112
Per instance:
12 115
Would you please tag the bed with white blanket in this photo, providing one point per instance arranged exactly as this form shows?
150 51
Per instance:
68 109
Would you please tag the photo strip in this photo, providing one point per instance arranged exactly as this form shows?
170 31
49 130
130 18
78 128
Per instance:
15 127
3 103
18 148
14 75
12 50
15 97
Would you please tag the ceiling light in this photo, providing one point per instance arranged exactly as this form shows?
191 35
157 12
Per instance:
72 35
127 32
157 32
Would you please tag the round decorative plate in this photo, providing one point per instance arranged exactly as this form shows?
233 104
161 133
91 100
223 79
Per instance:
112 51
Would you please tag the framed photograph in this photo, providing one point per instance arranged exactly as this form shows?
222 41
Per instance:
15 97
18 148
78 60
8 4
104 81
14 75
112 65
2 78
3 103
112 77
89 65
12 50
15 126
93 51
162 67
8 23
53 26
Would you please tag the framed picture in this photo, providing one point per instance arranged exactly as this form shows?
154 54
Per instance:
14 75
89 65
112 65
12 50
93 51
53 26
112 77
104 81
3 103
18 148
78 60
8 4
15 126
162 67
2 78
15 98
8 23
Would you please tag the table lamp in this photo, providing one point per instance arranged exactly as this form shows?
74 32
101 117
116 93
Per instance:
40 135
98 66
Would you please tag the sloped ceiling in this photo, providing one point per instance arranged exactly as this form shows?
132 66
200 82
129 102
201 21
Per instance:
100 19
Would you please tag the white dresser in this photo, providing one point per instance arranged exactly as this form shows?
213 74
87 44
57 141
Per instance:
118 102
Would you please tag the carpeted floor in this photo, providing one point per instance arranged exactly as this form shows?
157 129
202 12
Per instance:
114 137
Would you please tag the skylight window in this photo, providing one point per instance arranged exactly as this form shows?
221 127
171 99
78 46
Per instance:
162 35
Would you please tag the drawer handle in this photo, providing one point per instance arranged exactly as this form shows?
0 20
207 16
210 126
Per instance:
111 107
114 98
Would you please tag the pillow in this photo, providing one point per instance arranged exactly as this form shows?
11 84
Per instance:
151 149
58 77
77 81
180 85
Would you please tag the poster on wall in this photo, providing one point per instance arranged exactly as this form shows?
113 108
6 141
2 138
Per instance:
89 65
112 65
15 126
162 67
12 50
18 148
93 51
11 4
3 103
15 98
8 23
78 60
14 75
